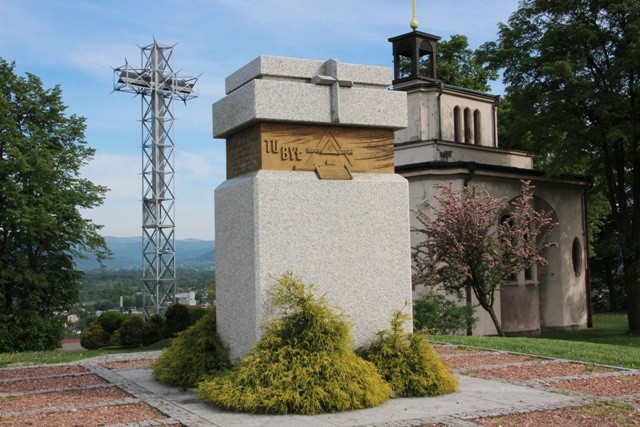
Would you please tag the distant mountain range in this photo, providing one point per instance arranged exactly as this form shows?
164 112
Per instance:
127 254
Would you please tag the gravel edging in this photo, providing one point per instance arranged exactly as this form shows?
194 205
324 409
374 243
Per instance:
163 405
181 415
51 409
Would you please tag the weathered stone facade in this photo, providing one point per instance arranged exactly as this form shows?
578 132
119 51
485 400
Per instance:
452 138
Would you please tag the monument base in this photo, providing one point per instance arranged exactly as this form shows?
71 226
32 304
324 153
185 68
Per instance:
349 239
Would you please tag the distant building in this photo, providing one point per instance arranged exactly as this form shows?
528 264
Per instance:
187 298
452 137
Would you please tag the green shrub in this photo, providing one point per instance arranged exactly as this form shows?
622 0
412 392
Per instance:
131 331
152 330
438 315
196 352
111 321
114 339
176 319
156 319
94 337
409 363
302 364
197 313
30 331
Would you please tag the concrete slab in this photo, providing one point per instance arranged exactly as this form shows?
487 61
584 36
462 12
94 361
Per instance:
477 397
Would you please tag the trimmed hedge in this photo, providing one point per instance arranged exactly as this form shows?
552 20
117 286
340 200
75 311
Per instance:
196 352
152 330
111 321
131 331
302 364
408 362
94 337
30 331
177 318
197 313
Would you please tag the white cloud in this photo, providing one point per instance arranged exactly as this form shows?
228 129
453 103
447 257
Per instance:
197 176
75 44
121 173
120 213
192 165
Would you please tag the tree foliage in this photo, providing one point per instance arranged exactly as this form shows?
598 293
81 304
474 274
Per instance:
472 239
460 66
29 331
606 270
437 315
101 290
573 85
41 192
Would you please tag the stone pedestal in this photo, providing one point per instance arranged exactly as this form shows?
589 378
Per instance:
311 190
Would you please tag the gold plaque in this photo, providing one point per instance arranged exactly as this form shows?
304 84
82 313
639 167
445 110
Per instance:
325 172
332 152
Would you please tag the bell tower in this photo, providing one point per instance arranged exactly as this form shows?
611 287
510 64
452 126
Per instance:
414 57
439 113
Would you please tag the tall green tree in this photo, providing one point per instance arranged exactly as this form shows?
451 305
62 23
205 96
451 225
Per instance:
41 192
572 70
606 270
458 65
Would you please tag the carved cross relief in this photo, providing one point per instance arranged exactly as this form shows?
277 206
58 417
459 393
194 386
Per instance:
330 77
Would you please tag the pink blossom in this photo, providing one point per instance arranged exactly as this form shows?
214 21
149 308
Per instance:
472 239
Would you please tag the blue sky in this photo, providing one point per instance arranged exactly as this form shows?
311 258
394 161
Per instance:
76 43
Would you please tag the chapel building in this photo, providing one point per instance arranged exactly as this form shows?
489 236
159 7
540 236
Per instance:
452 137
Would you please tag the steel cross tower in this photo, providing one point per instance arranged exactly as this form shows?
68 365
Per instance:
158 86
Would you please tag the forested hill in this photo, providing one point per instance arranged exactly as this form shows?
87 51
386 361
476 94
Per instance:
127 254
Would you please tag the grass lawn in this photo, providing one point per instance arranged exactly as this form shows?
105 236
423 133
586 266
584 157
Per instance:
607 343
59 356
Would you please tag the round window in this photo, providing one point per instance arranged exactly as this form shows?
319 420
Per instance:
576 256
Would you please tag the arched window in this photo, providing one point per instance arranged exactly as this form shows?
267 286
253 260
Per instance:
528 274
477 133
576 256
468 126
457 124
507 220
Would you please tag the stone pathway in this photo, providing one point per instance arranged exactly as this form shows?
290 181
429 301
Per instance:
118 391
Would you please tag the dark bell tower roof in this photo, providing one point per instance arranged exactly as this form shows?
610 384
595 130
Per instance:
409 50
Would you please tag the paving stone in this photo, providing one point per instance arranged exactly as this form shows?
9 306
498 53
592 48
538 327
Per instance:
477 398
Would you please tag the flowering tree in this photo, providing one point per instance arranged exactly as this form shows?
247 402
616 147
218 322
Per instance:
475 240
